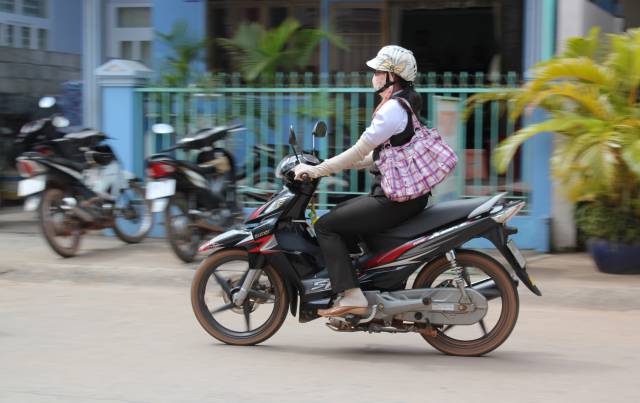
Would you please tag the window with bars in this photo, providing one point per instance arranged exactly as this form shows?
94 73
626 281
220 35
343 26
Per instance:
134 17
8 6
34 8
25 37
9 35
43 37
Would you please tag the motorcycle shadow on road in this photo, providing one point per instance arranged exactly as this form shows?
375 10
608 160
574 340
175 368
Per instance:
507 362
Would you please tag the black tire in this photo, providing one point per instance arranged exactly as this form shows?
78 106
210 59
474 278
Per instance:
212 326
509 304
188 251
50 199
147 218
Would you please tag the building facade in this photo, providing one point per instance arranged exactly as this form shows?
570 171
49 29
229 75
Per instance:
492 37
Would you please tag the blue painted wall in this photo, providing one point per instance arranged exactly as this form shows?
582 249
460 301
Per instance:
119 111
166 13
66 26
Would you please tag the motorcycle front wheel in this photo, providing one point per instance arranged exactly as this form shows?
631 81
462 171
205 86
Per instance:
214 285
133 218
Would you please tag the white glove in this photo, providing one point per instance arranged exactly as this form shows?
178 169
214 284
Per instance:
301 169
355 155
365 163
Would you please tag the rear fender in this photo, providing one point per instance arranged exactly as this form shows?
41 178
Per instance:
499 239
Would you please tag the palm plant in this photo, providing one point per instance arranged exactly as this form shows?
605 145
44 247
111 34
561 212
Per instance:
177 72
590 95
258 52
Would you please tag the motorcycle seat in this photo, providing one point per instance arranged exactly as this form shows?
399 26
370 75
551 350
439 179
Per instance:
205 137
83 135
430 219
76 166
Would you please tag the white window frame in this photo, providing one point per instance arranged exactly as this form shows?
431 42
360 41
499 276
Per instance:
15 8
116 34
45 9
18 20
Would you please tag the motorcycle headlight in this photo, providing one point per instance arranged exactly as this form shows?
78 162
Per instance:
286 164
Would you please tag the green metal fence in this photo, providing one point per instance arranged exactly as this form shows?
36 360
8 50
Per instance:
346 103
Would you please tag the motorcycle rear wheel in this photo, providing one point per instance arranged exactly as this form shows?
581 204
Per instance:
56 225
509 304
184 241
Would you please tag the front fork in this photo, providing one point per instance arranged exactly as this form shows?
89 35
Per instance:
250 278
256 263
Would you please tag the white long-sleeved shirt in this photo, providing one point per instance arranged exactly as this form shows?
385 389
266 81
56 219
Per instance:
389 120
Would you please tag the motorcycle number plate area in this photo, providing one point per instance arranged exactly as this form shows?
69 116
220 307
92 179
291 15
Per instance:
30 186
516 253
32 203
159 205
160 189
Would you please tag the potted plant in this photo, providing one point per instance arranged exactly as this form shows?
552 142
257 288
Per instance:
590 95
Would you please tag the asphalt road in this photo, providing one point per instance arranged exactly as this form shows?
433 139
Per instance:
115 325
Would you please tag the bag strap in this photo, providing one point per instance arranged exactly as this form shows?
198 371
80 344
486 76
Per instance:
407 107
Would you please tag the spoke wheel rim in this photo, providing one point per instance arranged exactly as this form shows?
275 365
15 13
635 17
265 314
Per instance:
132 202
186 237
243 317
62 229
506 321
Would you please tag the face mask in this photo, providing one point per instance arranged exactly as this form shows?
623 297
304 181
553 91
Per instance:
388 84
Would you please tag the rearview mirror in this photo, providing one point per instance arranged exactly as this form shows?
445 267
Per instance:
320 129
162 128
60 122
46 102
292 136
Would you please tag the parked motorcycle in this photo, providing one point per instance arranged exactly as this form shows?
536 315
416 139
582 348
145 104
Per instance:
73 197
462 302
197 198
40 134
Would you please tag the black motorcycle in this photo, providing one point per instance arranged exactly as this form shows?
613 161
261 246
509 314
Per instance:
75 196
40 134
462 302
197 198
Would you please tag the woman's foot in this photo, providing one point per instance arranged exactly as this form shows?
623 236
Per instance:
353 301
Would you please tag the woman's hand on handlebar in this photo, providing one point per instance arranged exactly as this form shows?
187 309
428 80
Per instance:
304 172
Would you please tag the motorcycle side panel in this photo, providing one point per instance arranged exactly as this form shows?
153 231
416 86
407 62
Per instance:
31 186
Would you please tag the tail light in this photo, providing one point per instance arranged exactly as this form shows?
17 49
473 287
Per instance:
157 170
507 213
28 168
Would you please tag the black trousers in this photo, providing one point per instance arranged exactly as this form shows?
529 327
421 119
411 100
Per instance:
362 215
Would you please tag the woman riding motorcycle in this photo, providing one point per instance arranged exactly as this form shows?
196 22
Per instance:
395 69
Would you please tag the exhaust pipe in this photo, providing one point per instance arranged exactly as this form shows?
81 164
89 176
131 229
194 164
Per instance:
71 205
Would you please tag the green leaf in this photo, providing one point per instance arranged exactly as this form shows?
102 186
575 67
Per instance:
631 156
581 69
504 153
581 46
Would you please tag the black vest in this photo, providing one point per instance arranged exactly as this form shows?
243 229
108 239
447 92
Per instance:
396 140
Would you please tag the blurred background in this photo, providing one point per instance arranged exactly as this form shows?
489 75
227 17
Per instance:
123 65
